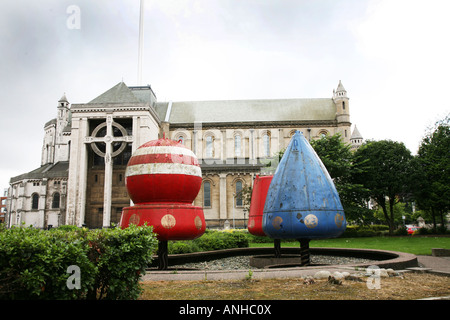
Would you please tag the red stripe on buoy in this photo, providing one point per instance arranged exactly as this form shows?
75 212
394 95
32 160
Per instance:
163 187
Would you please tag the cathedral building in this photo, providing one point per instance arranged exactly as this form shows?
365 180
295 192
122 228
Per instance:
81 180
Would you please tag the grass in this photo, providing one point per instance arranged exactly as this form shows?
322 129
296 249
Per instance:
410 286
418 245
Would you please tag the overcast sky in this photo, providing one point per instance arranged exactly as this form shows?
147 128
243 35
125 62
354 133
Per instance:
391 55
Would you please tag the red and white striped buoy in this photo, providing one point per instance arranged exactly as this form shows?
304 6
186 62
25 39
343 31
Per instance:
163 171
163 178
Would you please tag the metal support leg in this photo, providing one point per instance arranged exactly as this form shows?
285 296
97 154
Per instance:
304 252
277 247
163 257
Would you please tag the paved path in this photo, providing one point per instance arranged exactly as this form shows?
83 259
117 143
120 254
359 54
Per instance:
438 264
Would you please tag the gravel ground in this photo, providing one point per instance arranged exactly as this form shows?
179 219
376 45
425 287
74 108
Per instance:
242 262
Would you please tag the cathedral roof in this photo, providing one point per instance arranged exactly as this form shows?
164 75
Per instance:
51 170
50 122
143 93
120 93
252 110
222 111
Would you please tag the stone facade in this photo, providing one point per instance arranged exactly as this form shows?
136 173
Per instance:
85 150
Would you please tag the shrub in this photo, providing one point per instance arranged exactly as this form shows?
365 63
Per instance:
353 231
177 247
210 240
217 240
402 231
121 256
423 231
34 263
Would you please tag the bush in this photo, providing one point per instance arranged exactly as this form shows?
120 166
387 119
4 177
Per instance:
430 231
354 231
423 231
258 239
121 256
210 240
34 263
177 247
217 240
401 231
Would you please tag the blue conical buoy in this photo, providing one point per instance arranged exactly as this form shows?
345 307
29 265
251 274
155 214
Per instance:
302 201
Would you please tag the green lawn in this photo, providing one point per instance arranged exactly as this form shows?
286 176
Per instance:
414 245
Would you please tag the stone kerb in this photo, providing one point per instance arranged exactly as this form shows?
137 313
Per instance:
440 252
381 258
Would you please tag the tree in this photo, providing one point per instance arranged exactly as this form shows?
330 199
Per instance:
384 171
337 157
432 171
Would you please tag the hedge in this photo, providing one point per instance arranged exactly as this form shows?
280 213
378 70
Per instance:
211 240
38 264
354 231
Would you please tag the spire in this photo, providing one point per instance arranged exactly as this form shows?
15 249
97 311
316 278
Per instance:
340 87
356 139
63 102
356 134
340 91
63 98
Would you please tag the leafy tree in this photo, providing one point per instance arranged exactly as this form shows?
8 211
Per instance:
399 212
432 171
337 157
384 171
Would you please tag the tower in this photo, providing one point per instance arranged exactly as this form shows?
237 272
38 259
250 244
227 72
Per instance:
62 134
63 113
342 111
55 145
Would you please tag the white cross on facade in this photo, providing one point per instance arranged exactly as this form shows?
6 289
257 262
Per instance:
109 139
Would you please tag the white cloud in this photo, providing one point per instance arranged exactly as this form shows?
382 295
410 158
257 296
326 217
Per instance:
392 57
408 40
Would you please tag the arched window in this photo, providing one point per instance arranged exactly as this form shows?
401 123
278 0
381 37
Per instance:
323 133
237 145
238 190
207 194
55 202
343 105
34 201
180 139
266 144
209 147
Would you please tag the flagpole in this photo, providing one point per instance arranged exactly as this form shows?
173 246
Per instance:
141 40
